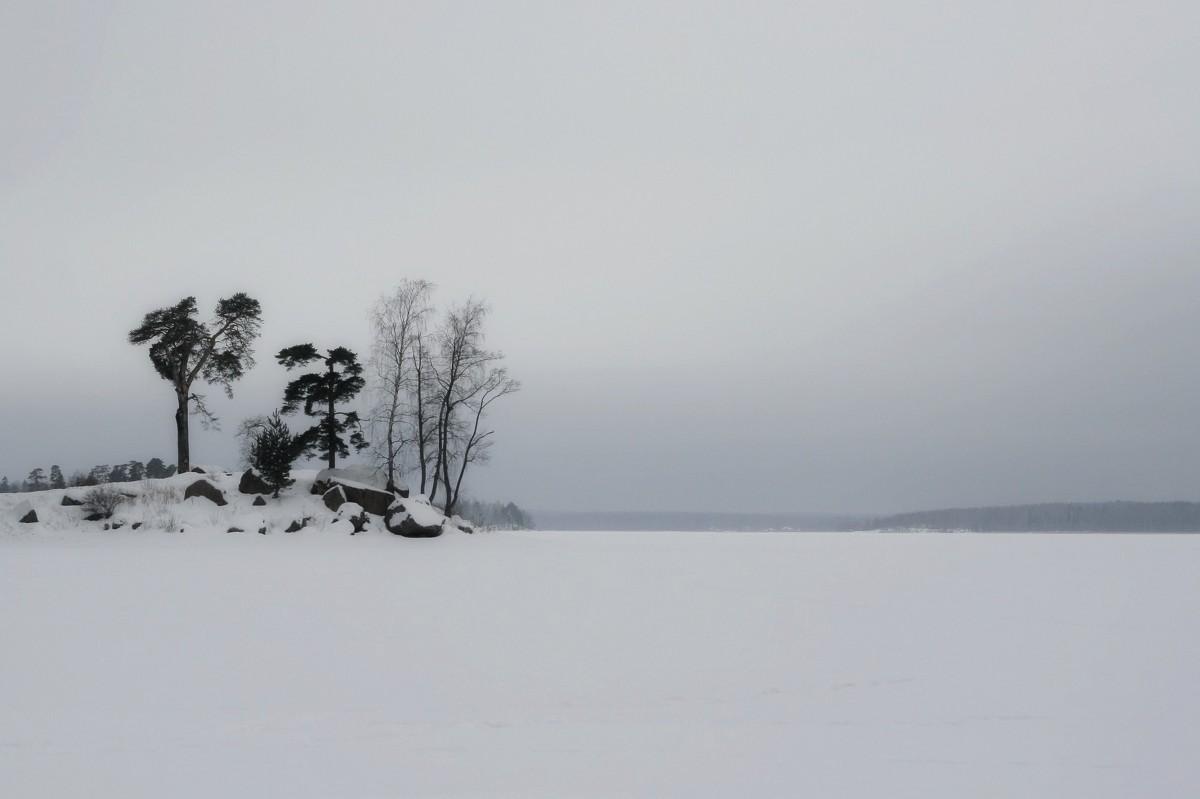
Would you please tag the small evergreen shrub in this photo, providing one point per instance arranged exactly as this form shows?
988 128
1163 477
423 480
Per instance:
272 451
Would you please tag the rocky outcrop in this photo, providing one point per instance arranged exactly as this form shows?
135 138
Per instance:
203 488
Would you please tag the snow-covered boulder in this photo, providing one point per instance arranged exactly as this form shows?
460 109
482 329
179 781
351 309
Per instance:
413 518
373 499
203 488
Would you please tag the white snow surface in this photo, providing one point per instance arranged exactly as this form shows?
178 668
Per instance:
541 664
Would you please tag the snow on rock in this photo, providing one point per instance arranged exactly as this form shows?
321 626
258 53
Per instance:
414 517
203 488
374 499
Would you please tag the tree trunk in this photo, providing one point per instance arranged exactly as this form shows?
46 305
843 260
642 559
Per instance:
330 432
183 454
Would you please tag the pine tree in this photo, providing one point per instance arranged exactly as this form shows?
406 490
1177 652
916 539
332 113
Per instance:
156 469
321 393
4 486
36 480
184 350
56 477
272 451
136 470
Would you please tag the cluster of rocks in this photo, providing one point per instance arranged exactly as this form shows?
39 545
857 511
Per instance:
336 493
351 500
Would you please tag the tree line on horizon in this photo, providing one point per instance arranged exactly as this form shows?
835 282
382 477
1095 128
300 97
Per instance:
132 471
1094 517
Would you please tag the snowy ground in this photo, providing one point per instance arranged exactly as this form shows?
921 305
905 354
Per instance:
316 664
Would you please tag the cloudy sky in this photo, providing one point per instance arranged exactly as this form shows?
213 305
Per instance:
859 256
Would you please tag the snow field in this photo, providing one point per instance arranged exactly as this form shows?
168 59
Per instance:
140 664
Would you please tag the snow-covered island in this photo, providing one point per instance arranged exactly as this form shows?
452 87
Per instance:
212 499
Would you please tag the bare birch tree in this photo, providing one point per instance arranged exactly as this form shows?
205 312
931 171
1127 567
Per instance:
468 379
398 322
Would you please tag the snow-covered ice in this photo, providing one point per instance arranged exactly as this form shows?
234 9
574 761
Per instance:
538 664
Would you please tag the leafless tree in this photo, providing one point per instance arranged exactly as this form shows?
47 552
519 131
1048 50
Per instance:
475 440
468 379
397 322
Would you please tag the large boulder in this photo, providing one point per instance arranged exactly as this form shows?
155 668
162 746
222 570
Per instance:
373 500
203 488
400 522
252 483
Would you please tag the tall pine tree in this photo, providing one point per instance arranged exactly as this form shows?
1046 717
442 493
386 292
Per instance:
320 393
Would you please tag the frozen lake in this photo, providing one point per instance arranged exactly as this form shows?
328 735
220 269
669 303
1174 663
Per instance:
598 664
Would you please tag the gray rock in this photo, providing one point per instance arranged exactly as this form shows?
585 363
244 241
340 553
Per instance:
235 530
252 483
296 526
259 501
70 501
203 488
374 500
399 522
29 518
335 497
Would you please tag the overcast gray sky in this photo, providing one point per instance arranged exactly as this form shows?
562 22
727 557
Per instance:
859 256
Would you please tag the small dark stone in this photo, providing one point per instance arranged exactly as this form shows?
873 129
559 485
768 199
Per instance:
252 483
259 501
295 527
118 525
94 517
198 470
136 525
29 518
203 488
262 531
235 530
70 501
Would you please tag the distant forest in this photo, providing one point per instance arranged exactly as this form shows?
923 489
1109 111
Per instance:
39 480
1098 517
